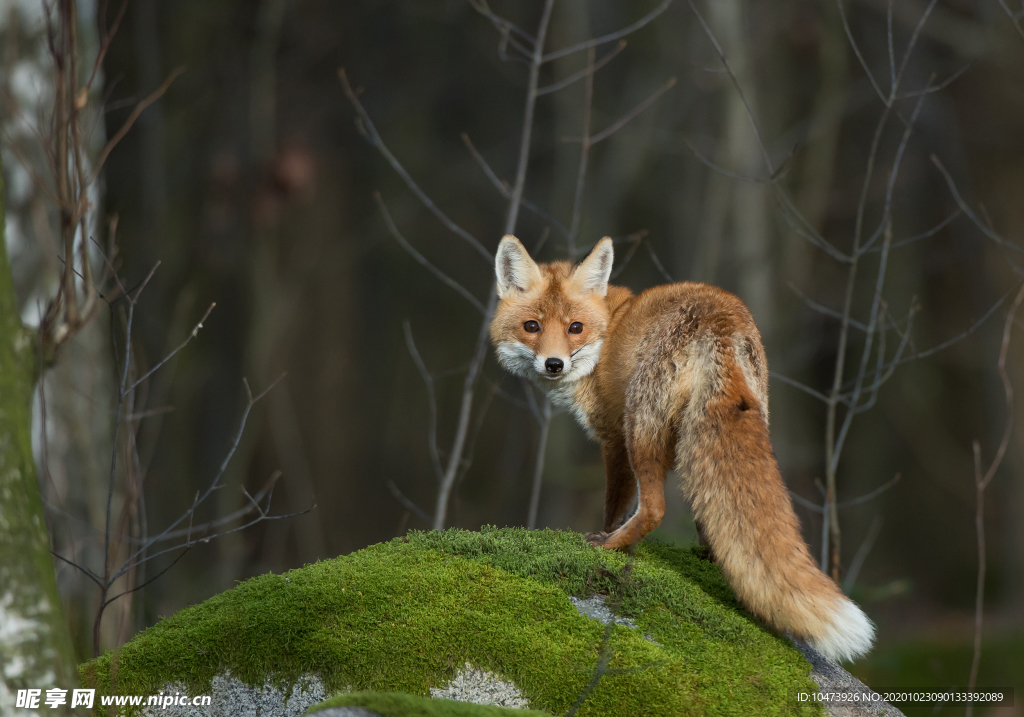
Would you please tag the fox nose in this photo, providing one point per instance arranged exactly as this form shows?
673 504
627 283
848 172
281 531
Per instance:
554 365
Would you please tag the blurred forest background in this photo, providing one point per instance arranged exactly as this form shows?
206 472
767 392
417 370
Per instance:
251 183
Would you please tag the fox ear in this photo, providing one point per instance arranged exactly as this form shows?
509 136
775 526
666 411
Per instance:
592 274
514 268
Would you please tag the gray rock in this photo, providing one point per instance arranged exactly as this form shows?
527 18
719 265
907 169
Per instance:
834 680
346 712
594 608
482 688
233 698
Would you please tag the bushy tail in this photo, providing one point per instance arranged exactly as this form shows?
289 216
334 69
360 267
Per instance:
732 481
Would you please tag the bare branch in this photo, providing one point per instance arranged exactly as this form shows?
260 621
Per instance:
505 25
981 482
135 384
142 286
803 387
894 172
658 265
525 138
538 465
616 126
85 570
861 555
174 562
931 89
184 532
967 332
612 37
1014 18
910 47
717 168
428 380
624 262
869 496
409 505
374 138
966 209
105 44
581 173
1004 349
806 503
214 484
264 392
857 52
441 276
503 187
587 71
736 83
892 53
840 440
119 135
924 235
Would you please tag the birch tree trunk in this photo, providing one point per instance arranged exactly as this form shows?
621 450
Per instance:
35 648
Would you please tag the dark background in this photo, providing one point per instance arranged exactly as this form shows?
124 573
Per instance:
270 213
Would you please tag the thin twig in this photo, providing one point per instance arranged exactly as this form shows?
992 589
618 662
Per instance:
538 465
374 138
505 190
616 126
422 260
428 381
184 532
119 135
587 71
179 347
482 8
612 37
981 482
801 386
1015 19
870 496
409 505
455 457
581 172
966 209
657 263
861 555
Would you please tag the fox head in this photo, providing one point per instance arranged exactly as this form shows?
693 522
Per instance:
551 318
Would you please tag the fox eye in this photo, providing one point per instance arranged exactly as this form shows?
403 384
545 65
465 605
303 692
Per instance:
575 328
531 327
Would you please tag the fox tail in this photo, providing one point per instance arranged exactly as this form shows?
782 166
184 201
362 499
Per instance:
732 480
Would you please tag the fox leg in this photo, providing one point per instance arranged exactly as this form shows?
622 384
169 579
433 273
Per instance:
649 461
702 540
620 485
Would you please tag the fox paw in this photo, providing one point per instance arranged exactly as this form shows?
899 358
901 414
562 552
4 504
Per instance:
597 539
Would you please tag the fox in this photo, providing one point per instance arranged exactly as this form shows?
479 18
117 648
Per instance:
675 377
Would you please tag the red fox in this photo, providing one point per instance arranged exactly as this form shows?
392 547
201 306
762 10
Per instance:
675 377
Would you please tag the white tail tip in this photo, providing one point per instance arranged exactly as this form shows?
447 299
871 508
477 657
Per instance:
850 635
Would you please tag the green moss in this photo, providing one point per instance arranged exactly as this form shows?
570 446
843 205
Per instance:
400 704
406 615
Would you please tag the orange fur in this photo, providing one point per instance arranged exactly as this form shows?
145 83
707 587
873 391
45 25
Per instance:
675 377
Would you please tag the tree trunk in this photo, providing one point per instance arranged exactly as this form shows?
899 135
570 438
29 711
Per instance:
35 648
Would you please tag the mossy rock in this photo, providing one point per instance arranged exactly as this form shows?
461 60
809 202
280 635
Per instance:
406 615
